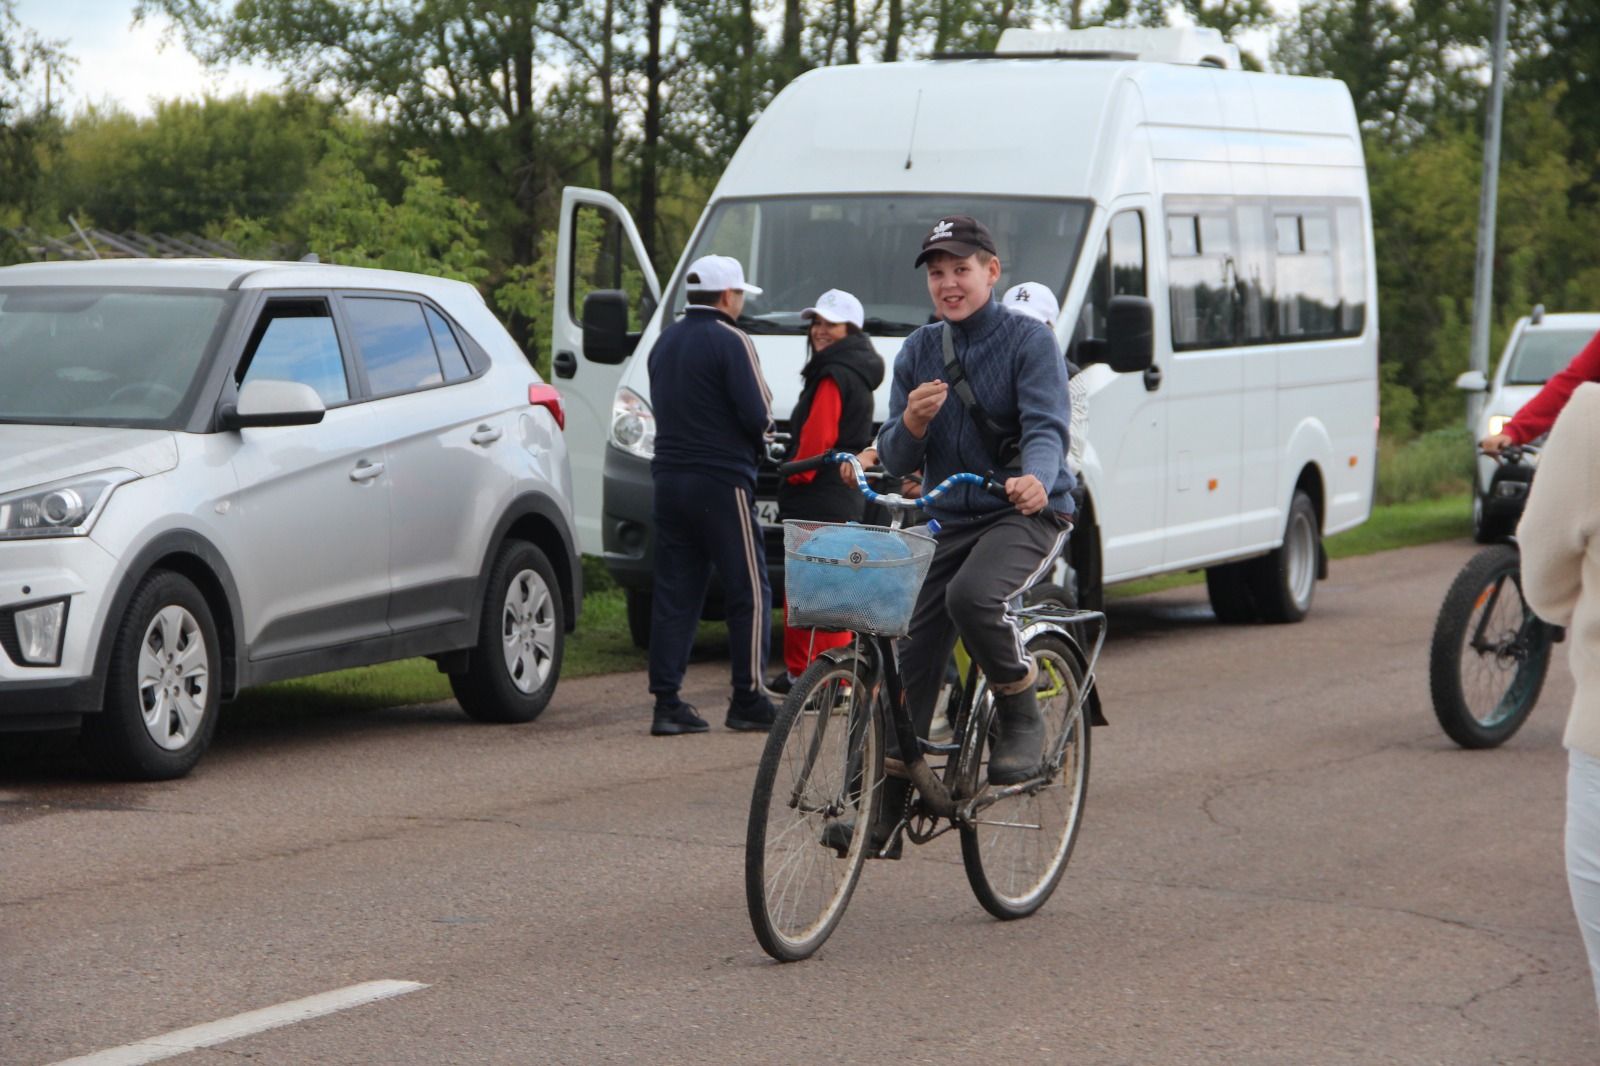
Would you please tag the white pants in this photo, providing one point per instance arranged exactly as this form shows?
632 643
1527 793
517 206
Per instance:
1583 852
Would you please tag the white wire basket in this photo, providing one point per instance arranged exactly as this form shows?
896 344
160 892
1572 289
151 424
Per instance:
846 576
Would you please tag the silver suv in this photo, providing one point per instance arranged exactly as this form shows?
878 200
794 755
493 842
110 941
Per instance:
218 473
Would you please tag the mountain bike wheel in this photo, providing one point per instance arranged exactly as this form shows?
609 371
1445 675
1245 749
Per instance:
1018 847
818 781
1490 653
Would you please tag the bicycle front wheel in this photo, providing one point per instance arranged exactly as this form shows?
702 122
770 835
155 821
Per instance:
815 793
1490 653
1017 847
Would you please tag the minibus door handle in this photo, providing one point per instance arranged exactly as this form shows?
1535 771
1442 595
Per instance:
1152 379
565 364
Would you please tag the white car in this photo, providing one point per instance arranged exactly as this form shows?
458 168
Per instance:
1540 346
216 473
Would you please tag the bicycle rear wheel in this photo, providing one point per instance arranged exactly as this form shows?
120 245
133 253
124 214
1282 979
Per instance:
1018 847
1490 653
819 778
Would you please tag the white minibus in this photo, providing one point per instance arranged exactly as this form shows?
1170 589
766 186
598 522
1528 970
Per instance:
1208 233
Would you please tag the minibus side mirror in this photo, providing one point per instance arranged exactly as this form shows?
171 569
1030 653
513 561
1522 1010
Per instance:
605 327
1130 334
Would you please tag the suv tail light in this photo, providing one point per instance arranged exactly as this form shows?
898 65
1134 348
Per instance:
546 396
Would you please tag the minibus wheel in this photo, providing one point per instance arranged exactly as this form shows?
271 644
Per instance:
1284 580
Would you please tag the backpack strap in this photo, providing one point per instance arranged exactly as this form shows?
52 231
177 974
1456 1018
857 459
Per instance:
1002 445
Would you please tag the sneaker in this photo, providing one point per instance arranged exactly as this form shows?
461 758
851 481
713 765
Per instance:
753 716
676 720
780 684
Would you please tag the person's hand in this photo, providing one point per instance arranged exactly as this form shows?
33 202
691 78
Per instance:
1495 443
923 403
1027 494
867 457
911 487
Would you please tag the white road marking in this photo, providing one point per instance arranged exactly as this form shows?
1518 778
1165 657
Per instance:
182 1041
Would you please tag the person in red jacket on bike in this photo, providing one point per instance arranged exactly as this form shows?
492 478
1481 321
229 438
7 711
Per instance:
1539 413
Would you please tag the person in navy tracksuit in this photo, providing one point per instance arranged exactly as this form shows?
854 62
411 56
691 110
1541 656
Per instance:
713 416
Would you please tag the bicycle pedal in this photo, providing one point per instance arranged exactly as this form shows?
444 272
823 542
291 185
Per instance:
930 747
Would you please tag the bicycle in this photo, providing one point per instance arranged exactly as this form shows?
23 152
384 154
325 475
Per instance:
1490 653
824 765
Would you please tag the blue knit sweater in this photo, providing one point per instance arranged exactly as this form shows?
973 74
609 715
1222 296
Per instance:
1017 375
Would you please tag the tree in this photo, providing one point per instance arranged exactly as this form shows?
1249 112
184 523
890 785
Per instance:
27 126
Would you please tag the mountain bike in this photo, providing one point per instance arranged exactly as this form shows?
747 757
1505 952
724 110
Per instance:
823 769
1490 653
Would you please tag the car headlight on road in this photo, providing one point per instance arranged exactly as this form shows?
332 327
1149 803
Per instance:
64 508
1497 423
633 424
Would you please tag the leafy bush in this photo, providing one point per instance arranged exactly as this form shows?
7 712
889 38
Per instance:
1437 463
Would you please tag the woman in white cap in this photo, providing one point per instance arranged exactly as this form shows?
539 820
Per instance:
834 413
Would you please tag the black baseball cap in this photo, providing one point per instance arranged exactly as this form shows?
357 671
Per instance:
957 235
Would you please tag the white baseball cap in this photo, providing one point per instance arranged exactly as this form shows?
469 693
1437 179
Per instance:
836 305
717 273
1034 300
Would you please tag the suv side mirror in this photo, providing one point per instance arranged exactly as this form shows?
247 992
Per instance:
1130 334
605 327
273 403
1472 381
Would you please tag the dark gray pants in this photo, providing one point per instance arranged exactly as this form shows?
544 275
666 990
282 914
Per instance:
977 570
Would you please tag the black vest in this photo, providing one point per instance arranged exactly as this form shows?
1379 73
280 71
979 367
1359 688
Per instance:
857 369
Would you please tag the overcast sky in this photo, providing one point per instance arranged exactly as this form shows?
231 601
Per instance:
123 63
130 66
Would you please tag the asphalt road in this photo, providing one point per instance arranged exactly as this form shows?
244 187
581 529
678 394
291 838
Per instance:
1283 861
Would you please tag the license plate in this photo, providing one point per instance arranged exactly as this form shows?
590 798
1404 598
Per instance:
767 512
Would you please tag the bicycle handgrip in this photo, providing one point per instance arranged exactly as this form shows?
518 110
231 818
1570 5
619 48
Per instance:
800 466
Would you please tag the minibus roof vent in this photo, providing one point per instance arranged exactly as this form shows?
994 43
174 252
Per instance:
1189 45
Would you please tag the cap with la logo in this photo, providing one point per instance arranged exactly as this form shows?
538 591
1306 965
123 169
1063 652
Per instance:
1032 299
957 235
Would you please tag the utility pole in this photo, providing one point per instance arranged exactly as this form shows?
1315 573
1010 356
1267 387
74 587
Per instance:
1483 272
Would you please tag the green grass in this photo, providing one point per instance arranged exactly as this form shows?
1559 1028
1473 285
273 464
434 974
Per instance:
602 645
1394 525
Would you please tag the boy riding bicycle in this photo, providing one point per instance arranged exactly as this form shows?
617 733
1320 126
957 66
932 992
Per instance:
1010 417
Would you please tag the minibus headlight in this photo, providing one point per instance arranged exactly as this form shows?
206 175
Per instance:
633 424
64 508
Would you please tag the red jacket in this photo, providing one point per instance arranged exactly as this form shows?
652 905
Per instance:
1539 413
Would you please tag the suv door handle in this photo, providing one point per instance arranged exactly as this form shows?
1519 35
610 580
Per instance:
565 364
1152 379
486 434
366 471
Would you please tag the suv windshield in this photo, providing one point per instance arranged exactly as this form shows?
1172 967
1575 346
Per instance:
796 248
1542 352
93 356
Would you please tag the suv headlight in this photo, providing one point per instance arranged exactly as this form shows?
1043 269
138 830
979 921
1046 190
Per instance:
65 508
633 424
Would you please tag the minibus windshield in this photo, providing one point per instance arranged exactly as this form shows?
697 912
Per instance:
798 247
104 357
1542 352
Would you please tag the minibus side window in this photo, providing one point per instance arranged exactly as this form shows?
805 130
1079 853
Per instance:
1119 270
1201 276
1253 276
1308 280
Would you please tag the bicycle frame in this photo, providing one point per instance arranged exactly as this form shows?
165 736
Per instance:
945 797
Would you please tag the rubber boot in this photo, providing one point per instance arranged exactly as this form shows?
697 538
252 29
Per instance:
1017 751
891 808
